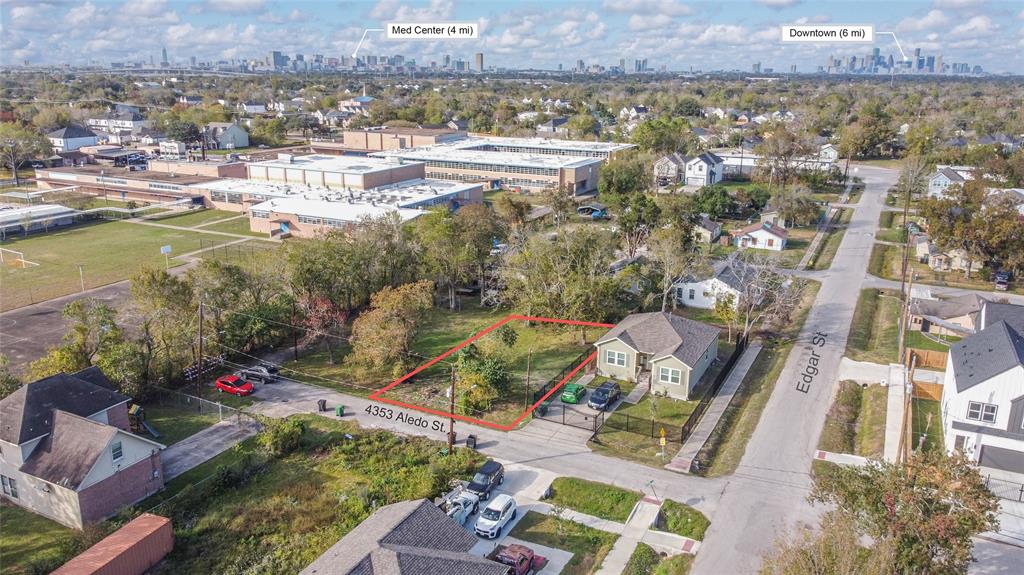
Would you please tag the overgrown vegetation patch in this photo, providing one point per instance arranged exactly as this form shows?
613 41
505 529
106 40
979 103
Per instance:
593 498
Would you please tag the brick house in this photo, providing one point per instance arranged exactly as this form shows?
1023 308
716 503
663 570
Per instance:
66 452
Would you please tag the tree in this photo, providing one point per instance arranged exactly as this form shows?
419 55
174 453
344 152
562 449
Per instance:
478 228
621 177
766 295
714 200
18 145
637 221
9 383
725 310
446 255
662 135
561 204
795 205
928 509
582 125
183 131
268 132
835 549
167 310
513 212
673 251
383 335
782 152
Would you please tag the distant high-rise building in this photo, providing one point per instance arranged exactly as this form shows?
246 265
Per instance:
792 69
756 68
580 67
478 60
622 64
164 62
275 60
447 61
192 60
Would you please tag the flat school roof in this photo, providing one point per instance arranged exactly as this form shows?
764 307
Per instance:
343 164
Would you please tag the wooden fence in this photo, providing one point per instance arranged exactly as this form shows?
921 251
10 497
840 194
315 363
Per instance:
927 390
926 358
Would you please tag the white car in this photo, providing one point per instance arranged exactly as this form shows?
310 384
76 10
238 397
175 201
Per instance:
495 516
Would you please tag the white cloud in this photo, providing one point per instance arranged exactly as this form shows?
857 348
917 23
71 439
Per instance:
639 22
81 15
975 27
931 20
648 7
149 8
778 4
958 3
394 10
232 6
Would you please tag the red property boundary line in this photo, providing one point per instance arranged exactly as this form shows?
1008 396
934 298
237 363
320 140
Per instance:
378 395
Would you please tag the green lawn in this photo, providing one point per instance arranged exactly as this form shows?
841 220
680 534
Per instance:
830 245
238 225
107 251
593 498
588 546
682 519
856 421
918 340
646 561
176 423
722 453
192 218
887 262
28 538
874 334
926 427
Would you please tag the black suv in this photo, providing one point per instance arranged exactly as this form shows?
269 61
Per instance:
488 478
605 396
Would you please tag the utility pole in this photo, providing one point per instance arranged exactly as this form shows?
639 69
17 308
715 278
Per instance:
199 371
81 276
907 191
529 365
295 337
904 316
451 423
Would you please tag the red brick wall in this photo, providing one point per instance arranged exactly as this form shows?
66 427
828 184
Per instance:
125 487
118 417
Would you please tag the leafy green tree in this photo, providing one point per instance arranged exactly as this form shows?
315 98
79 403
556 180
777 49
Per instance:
725 310
9 383
687 107
834 549
662 135
927 509
168 317
582 125
795 205
268 132
18 145
183 131
714 200
126 364
623 176
446 255
57 360
383 336
636 221
478 228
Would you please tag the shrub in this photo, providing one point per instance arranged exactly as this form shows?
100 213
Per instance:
682 519
643 561
282 436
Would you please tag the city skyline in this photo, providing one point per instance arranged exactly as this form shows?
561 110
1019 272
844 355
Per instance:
670 34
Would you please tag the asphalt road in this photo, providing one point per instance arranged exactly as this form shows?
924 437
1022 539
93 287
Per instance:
766 498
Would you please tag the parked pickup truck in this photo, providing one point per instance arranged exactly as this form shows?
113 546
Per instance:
521 559
459 504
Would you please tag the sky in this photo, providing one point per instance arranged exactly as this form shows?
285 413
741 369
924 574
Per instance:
679 34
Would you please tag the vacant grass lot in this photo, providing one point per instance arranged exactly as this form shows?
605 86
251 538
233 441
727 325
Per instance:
193 218
588 546
724 449
593 498
175 423
856 421
107 251
28 538
874 335
926 424
681 519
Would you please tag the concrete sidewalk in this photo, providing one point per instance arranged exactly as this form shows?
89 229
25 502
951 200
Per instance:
683 461
896 410
841 458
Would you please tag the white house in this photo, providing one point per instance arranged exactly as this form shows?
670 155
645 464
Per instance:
72 138
669 169
704 170
226 136
828 153
633 113
252 107
113 122
983 400
705 293
946 176
762 235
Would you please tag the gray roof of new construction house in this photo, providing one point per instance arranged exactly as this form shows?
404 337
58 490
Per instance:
410 537
945 309
1013 315
663 334
986 354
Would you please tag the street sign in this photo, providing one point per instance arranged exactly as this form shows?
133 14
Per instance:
663 433
663 441
165 249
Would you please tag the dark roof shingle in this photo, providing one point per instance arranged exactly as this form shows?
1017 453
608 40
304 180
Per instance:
662 334
986 354
28 412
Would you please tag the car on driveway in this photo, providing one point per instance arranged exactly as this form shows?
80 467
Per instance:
234 385
1002 280
261 373
487 479
495 516
605 396
573 393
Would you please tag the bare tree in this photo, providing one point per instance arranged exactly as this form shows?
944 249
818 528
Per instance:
676 260
766 295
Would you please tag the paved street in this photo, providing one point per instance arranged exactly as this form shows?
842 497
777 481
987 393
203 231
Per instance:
766 497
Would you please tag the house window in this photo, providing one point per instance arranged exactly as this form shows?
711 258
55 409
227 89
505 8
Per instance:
978 411
115 451
615 358
10 488
771 242
669 375
960 442
692 293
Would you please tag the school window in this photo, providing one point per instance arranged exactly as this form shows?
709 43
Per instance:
669 375
615 358
978 411
115 451
10 488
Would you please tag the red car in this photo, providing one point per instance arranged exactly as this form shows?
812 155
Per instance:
234 385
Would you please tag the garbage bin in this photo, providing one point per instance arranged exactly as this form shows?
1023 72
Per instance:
471 441
339 411
321 404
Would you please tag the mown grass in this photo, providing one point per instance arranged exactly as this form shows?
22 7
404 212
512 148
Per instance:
193 218
646 561
588 546
174 423
856 421
874 334
918 340
29 539
593 498
926 419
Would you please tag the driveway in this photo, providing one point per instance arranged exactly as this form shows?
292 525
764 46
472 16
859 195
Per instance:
205 445
766 497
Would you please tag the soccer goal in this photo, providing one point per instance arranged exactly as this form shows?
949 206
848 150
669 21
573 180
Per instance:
15 258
